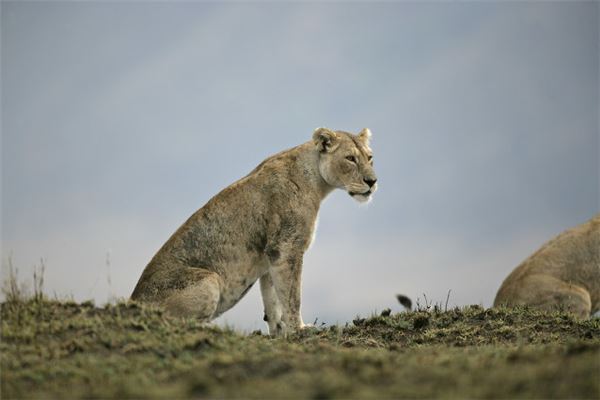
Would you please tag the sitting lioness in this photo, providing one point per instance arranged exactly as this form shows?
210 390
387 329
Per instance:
563 275
258 228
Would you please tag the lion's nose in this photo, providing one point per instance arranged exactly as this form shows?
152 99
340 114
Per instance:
370 182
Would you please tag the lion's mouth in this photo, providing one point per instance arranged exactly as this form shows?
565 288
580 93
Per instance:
367 193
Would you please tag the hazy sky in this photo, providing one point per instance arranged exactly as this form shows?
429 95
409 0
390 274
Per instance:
121 119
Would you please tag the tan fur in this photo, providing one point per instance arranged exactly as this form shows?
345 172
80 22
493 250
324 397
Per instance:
258 228
563 274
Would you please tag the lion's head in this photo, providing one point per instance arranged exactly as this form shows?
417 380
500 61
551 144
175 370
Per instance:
346 161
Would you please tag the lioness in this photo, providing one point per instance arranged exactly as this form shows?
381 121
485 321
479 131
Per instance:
258 228
563 274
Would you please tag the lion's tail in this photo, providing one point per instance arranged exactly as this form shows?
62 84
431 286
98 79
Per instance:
405 301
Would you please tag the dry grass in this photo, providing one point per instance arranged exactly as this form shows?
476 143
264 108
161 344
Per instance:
68 350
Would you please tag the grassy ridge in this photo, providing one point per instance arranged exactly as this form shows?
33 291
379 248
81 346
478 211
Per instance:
67 350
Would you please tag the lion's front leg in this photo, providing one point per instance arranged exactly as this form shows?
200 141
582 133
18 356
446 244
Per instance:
286 276
273 313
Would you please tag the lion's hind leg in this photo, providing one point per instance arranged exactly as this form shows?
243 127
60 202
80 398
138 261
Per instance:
199 298
574 299
547 293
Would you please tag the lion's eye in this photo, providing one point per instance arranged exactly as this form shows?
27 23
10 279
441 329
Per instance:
370 159
351 159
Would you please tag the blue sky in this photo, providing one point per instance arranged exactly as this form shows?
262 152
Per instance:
121 119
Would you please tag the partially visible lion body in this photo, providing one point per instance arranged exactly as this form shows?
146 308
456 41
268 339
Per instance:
257 228
563 274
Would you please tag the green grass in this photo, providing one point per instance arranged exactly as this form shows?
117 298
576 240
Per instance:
56 349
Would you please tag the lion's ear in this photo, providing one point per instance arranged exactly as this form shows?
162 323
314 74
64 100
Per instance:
365 136
325 139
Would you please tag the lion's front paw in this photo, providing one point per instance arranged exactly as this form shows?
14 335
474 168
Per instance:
308 328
